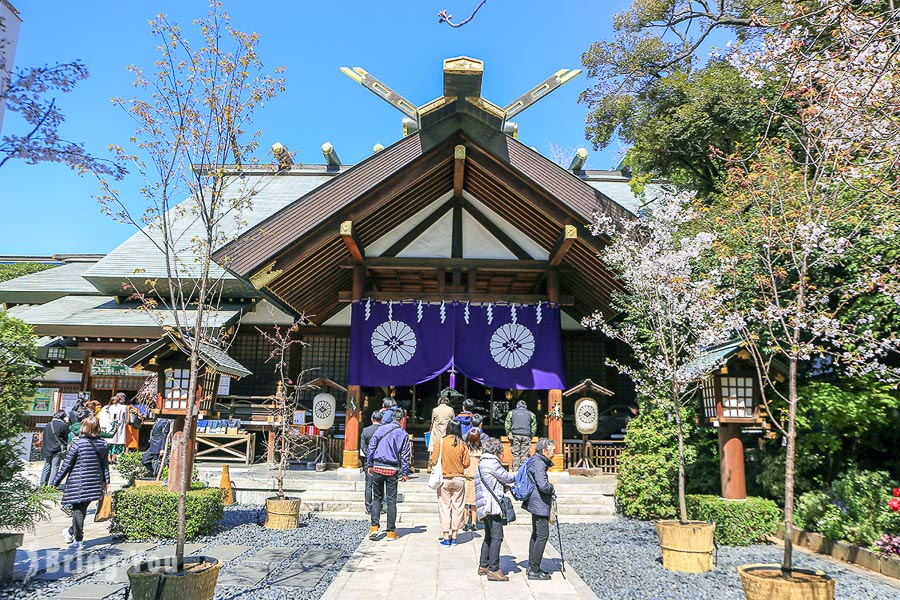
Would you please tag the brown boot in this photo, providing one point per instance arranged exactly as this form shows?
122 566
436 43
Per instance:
482 570
497 576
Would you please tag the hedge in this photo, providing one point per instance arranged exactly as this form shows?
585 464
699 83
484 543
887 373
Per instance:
152 512
738 522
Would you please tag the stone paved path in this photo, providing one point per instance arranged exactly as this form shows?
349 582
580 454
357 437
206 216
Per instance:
416 566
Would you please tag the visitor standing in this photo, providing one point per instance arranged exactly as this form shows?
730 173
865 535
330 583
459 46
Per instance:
539 505
133 421
387 461
387 410
86 471
490 481
477 420
119 415
465 417
454 456
53 446
473 441
440 416
521 425
364 439
159 435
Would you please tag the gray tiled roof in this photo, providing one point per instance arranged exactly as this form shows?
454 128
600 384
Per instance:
44 286
618 189
273 192
102 316
213 356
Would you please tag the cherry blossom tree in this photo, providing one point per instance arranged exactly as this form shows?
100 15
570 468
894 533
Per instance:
672 311
192 141
808 223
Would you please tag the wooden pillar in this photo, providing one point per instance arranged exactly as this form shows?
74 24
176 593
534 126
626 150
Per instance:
351 432
553 286
555 432
731 462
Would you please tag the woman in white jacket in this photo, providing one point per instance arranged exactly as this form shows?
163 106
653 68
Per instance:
491 479
118 413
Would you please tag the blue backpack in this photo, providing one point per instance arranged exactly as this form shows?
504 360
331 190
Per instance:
523 486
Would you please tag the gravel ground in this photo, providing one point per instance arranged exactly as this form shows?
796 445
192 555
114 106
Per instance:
622 561
241 526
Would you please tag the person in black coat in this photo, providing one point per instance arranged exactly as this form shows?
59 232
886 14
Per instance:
86 470
53 447
539 504
364 439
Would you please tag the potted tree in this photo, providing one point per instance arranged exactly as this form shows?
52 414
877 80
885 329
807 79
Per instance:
192 140
670 314
290 443
22 503
810 228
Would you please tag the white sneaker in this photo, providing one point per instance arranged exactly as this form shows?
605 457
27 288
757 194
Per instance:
67 534
76 546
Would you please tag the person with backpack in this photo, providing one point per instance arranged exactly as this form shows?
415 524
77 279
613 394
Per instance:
53 446
464 418
387 461
521 426
538 503
477 420
86 471
491 479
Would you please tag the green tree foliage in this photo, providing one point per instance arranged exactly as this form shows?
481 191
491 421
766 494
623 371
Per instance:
21 504
13 270
737 523
647 482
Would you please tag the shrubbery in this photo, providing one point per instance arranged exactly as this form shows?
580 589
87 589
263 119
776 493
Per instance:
152 512
854 508
738 522
130 467
647 481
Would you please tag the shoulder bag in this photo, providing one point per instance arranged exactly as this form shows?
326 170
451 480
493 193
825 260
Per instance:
134 418
507 512
104 505
436 479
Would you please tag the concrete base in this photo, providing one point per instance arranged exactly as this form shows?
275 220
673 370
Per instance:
347 470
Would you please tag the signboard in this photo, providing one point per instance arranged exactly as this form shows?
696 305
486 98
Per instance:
67 401
43 402
224 385
299 417
113 367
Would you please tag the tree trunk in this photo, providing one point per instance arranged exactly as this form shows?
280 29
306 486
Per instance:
682 500
787 563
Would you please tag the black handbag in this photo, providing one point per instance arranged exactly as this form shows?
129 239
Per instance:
134 419
507 512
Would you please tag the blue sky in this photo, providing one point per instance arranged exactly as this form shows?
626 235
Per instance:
50 209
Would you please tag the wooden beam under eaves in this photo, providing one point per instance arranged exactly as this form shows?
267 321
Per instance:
461 297
353 245
459 169
565 241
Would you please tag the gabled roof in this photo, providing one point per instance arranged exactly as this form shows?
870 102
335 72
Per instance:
48 285
102 316
212 356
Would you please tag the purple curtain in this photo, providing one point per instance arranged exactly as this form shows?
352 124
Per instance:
497 345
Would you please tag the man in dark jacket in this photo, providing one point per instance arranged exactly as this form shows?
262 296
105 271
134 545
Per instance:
364 439
387 460
158 437
539 504
521 425
53 447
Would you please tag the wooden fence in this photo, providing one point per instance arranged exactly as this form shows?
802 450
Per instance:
604 455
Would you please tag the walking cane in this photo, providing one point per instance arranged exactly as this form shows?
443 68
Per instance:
562 558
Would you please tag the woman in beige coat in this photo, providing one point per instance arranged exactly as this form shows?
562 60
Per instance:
440 416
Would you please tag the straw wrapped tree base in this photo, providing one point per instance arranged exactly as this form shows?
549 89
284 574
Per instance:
764 582
688 546
282 514
153 581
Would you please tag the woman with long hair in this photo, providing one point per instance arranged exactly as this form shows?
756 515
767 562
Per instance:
473 442
86 470
454 456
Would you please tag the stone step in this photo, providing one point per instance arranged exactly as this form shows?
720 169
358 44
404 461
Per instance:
563 497
522 520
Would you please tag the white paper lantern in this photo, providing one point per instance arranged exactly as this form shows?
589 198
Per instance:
323 410
586 416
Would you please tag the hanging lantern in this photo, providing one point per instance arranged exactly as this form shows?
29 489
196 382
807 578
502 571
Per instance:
586 416
323 411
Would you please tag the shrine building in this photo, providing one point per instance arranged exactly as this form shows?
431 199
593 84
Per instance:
455 260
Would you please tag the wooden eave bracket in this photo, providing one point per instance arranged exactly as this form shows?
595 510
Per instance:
565 241
265 276
349 236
